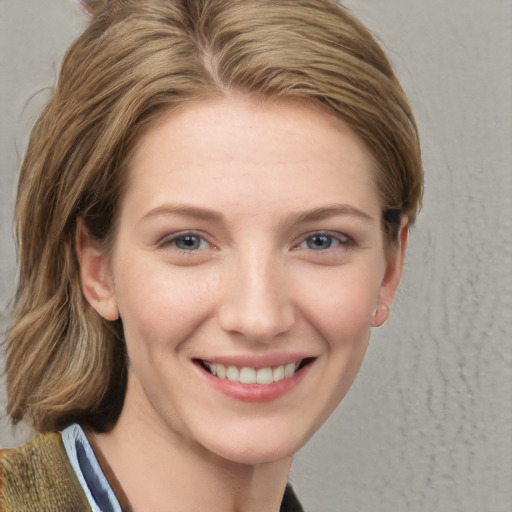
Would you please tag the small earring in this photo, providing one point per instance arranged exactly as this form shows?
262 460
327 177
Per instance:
380 315
95 8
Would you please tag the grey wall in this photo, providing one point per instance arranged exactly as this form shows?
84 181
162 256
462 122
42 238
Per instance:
428 423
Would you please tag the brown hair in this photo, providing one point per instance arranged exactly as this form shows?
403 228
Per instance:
141 60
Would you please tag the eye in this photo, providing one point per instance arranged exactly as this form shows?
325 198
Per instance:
189 242
323 241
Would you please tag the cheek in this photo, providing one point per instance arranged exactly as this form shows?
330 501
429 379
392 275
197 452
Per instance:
162 305
342 313
340 304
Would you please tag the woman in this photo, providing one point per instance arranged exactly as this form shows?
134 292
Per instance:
212 214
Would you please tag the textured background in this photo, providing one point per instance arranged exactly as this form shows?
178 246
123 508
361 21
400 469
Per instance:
428 423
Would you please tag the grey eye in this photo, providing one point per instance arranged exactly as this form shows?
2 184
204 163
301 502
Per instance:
320 242
95 8
188 242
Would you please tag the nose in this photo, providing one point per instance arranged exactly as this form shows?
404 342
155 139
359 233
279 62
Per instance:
256 299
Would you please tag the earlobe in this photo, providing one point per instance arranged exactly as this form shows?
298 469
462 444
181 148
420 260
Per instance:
380 315
394 266
95 275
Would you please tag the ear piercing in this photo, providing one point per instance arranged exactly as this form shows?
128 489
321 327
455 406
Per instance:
95 8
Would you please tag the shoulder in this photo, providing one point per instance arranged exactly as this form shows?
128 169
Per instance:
38 476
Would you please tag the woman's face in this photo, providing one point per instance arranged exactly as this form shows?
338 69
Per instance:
248 262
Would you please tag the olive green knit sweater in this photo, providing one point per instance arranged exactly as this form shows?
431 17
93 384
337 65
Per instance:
38 477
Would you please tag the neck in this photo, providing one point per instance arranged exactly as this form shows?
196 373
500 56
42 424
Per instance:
162 471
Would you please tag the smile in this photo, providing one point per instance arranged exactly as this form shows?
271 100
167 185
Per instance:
250 376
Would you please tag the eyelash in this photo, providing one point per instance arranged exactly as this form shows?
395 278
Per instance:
334 239
172 240
339 240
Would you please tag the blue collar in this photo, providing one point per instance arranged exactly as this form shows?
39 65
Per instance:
100 495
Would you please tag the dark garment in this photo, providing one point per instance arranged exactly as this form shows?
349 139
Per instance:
39 477
290 502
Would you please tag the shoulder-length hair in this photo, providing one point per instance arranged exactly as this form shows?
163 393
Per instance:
140 61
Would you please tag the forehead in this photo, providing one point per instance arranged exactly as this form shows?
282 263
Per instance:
248 153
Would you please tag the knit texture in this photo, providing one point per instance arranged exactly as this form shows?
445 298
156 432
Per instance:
38 477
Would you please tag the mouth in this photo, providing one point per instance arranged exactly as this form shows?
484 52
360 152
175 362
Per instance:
251 376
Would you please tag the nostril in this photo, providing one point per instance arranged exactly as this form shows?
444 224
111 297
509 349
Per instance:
263 322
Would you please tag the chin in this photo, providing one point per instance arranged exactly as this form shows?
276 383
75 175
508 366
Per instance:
254 455
264 446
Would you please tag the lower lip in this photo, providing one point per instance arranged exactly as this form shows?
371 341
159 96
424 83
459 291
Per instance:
256 392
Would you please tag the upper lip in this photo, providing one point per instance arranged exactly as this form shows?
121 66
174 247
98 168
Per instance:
253 361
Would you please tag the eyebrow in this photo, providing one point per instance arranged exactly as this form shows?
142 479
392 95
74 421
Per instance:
185 210
316 214
333 210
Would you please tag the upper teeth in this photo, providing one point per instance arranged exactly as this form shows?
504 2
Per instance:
248 375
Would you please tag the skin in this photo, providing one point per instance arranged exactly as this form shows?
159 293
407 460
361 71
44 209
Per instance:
256 185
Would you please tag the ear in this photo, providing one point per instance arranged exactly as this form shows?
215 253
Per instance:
95 274
395 256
